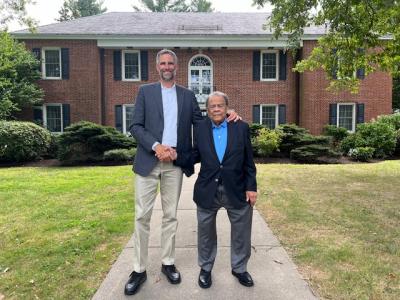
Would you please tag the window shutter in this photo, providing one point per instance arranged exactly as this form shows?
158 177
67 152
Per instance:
333 114
282 114
361 71
38 115
256 114
38 55
256 65
117 65
144 65
65 63
360 113
118 117
282 65
66 115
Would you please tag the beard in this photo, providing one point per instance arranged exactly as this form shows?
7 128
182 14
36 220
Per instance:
168 76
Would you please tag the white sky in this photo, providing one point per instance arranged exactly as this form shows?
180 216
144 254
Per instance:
46 11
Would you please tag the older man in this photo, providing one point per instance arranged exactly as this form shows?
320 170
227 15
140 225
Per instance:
227 179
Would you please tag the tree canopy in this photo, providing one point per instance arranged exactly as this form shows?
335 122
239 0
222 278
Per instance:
73 9
18 74
15 10
359 35
174 6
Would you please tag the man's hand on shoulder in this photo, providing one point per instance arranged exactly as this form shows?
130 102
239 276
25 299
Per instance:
251 197
233 116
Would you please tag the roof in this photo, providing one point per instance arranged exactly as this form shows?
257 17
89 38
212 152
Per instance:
168 23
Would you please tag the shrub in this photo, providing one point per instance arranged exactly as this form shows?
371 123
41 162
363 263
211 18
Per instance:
86 142
291 134
120 155
361 153
267 141
22 141
315 154
393 120
53 147
336 133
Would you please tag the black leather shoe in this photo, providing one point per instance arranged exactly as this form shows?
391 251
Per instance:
205 279
172 273
244 278
134 282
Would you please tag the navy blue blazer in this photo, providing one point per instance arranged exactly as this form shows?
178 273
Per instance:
237 171
148 127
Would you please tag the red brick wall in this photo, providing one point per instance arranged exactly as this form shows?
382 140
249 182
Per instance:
375 92
233 75
82 89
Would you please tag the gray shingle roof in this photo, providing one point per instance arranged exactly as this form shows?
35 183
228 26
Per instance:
145 23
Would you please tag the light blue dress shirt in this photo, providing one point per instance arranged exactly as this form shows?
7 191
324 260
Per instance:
220 134
170 110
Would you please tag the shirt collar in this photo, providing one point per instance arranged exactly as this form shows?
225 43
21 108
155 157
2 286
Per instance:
168 89
222 125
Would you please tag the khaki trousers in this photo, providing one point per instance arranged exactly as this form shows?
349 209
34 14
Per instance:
170 179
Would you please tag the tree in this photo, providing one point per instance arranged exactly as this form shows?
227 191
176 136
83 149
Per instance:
73 9
360 35
15 10
18 75
174 6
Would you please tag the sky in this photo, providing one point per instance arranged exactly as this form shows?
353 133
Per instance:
46 11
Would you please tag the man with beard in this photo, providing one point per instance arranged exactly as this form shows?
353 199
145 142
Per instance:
162 126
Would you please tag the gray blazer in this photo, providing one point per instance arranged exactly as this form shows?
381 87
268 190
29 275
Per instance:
148 126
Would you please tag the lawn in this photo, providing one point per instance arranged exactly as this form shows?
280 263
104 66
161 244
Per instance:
61 229
340 224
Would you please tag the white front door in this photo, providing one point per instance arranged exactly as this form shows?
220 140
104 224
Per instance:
201 78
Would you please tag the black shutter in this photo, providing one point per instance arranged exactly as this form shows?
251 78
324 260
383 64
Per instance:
360 113
282 65
66 115
118 117
361 71
256 65
65 63
144 65
333 114
117 65
256 114
282 114
37 53
38 115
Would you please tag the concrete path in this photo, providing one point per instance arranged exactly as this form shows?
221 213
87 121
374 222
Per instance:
274 274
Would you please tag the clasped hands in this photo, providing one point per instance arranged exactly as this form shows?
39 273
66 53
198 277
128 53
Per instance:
165 153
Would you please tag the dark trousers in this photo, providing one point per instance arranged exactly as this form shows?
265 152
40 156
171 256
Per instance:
240 219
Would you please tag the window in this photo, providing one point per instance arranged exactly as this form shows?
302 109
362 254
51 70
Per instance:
50 116
131 65
346 116
269 116
51 63
269 65
127 114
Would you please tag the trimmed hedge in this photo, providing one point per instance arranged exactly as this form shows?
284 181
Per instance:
22 141
120 155
319 154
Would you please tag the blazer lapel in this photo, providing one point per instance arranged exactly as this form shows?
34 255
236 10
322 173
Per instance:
211 140
230 138
179 98
158 100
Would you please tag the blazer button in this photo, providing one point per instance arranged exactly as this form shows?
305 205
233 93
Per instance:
216 179
221 166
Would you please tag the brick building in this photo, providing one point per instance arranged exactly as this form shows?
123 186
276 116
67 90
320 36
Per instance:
92 68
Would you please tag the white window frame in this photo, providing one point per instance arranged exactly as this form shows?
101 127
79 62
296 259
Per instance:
276 113
44 63
44 110
353 123
277 65
123 65
124 106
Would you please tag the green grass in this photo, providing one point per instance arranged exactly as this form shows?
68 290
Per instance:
61 229
340 223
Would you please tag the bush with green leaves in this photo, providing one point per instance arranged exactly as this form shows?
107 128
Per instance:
393 120
361 153
336 133
378 135
120 155
315 153
86 142
22 141
267 141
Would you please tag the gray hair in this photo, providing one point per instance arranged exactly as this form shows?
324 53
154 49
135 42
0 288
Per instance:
166 51
218 94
